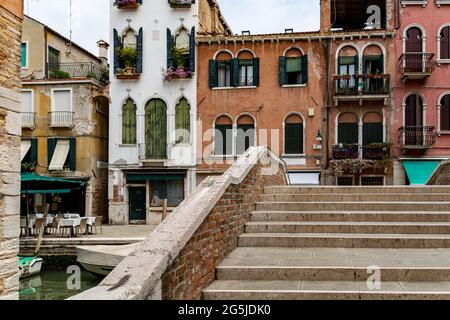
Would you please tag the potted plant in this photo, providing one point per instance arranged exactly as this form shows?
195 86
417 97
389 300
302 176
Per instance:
29 167
128 56
179 70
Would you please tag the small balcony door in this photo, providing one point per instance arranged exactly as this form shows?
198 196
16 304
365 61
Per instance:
414 50
414 121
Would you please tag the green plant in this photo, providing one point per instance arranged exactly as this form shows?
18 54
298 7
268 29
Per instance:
59 74
29 166
92 75
380 145
178 57
128 56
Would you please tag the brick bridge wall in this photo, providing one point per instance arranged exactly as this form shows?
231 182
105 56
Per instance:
442 176
179 257
194 269
10 131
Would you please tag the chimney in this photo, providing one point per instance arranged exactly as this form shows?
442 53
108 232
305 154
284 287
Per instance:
325 16
103 51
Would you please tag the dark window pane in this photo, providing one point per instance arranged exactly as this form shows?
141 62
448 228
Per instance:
293 138
348 133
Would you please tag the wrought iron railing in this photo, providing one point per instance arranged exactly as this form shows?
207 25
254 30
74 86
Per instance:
375 152
61 119
78 70
420 62
28 119
369 84
341 152
370 152
417 136
150 152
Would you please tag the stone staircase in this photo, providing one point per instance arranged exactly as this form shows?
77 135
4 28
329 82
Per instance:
319 243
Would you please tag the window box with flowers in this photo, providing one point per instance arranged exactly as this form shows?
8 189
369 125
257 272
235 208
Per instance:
127 4
127 58
180 56
181 3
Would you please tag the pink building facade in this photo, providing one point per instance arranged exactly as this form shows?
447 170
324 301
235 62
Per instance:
421 90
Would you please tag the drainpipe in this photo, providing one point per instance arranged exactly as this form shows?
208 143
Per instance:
326 113
45 53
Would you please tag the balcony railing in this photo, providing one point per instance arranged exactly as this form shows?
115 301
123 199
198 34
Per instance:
416 65
356 85
151 153
371 152
28 119
70 70
417 137
60 119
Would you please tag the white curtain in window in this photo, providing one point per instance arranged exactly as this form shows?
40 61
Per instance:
182 40
27 101
62 100
60 155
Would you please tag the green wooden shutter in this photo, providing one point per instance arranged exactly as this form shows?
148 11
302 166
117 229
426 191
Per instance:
129 122
213 77
117 47
305 69
183 122
223 140
372 133
139 49
33 150
235 72
293 141
156 129
256 72
170 41
51 144
24 55
282 71
73 154
192 50
382 63
348 133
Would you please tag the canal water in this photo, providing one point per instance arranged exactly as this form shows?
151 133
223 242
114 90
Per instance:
56 284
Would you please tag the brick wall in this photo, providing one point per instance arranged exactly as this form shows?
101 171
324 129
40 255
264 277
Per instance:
10 131
442 175
194 269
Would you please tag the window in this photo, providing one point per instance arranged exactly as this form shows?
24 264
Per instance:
53 58
172 190
156 129
24 62
372 129
128 48
245 73
61 154
183 122
245 135
27 101
181 52
348 129
445 113
293 135
129 122
293 68
444 39
62 100
223 136
224 73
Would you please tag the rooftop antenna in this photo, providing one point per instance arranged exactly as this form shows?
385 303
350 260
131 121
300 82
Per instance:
70 28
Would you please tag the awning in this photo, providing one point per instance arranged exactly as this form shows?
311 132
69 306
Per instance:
55 191
60 155
154 177
420 171
35 184
25 146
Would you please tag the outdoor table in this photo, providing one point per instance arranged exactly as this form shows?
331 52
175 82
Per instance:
72 223
71 216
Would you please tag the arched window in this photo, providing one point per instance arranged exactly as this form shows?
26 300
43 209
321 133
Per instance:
414 40
129 122
348 129
183 122
445 113
372 128
414 120
223 61
293 135
293 67
247 68
223 136
129 39
444 42
373 60
245 135
156 129
348 65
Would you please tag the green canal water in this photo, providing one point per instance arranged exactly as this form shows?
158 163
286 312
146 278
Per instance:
52 285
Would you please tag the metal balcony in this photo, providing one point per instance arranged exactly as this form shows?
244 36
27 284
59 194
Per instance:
28 120
417 138
416 65
60 119
367 87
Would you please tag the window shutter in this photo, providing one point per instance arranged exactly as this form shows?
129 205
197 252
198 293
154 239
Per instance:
139 49
356 59
192 50
348 133
51 143
73 154
33 150
117 46
235 72
293 138
256 72
170 41
282 71
372 133
305 69
213 79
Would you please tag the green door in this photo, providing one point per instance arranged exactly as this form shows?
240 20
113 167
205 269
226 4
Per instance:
137 204
155 130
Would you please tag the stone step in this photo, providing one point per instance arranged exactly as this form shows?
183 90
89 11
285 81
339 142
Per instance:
356 190
376 197
353 206
361 216
348 227
335 264
344 240
326 290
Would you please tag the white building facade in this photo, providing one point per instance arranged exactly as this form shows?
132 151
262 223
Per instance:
152 146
